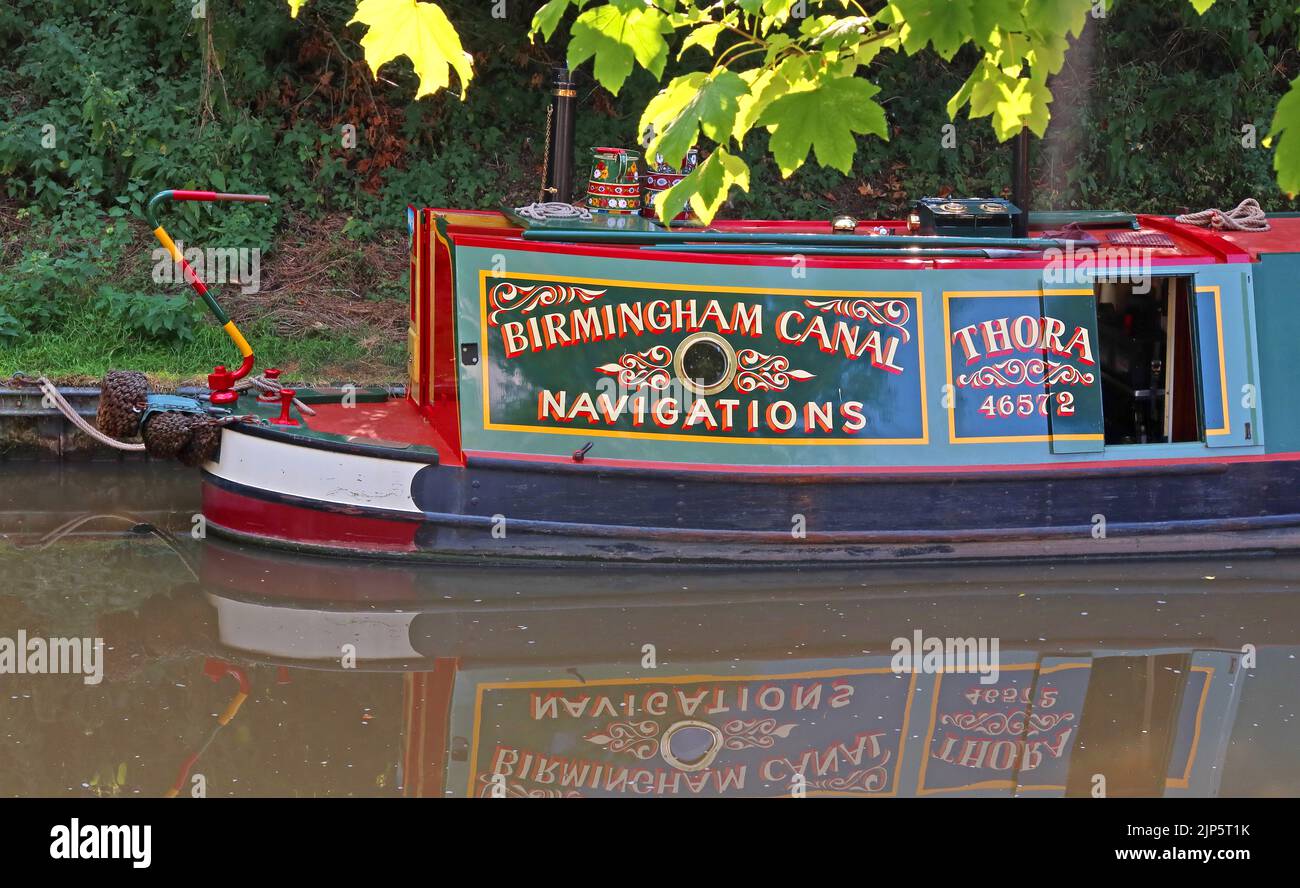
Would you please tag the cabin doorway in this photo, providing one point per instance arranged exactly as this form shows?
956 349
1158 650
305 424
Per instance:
1145 332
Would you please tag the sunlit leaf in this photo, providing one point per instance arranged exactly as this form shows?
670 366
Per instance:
824 119
294 6
692 103
944 25
1284 137
419 31
547 19
618 35
705 36
706 188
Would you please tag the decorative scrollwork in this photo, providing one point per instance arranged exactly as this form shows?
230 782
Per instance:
518 790
880 312
506 297
759 733
766 373
1033 371
873 779
997 724
648 369
637 738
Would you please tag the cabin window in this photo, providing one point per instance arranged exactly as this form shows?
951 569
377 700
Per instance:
1148 367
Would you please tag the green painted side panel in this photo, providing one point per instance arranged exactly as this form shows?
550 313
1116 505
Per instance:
1277 308
917 417
1074 402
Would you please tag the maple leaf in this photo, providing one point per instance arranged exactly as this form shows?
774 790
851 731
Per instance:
706 188
422 33
691 103
618 35
823 118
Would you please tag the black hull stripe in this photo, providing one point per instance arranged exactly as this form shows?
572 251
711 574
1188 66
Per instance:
813 537
799 475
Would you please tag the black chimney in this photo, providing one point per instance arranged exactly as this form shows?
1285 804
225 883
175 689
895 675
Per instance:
1020 187
558 176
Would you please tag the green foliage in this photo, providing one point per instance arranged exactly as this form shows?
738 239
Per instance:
1149 107
150 315
805 77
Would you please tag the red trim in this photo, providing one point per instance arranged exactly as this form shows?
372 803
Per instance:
883 470
295 524
445 403
193 195
426 727
425 260
1207 240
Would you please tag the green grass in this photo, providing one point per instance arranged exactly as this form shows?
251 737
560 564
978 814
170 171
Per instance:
86 345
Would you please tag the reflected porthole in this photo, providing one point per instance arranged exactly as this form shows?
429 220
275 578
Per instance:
705 363
690 745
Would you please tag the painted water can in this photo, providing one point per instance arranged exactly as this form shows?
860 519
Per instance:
661 176
615 183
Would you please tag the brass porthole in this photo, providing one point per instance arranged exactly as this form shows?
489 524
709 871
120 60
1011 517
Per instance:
705 363
690 745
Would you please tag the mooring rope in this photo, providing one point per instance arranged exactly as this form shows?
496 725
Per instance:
1248 216
52 394
553 209
271 386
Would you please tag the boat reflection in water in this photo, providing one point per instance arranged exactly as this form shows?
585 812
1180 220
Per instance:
1081 679
234 670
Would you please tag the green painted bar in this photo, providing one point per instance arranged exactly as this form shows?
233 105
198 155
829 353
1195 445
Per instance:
1085 219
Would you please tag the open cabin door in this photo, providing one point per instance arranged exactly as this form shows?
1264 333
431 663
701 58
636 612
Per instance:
1072 377
1218 327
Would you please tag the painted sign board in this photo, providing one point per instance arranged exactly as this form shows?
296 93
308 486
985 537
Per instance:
849 726
635 359
1022 366
705 735
1014 734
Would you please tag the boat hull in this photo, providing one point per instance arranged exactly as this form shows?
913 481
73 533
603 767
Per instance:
296 493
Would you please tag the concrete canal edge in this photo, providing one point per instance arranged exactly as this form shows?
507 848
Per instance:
29 430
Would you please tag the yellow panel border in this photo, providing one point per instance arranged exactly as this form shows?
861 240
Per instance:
986 784
1184 781
915 295
674 680
1223 362
947 360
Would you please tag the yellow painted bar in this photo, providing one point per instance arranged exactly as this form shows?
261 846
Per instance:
165 239
238 339
233 708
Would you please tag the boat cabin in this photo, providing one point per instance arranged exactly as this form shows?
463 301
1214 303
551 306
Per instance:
775 344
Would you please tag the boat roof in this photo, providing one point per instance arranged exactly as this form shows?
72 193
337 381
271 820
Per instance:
1170 243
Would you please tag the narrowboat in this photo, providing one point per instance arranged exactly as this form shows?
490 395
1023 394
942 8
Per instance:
974 381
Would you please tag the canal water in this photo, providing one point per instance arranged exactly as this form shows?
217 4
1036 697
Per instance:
141 656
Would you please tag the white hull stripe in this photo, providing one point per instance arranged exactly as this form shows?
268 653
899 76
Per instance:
327 476
313 634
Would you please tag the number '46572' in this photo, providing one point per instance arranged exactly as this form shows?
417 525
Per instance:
1027 405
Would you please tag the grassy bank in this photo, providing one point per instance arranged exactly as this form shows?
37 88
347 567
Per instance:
329 308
